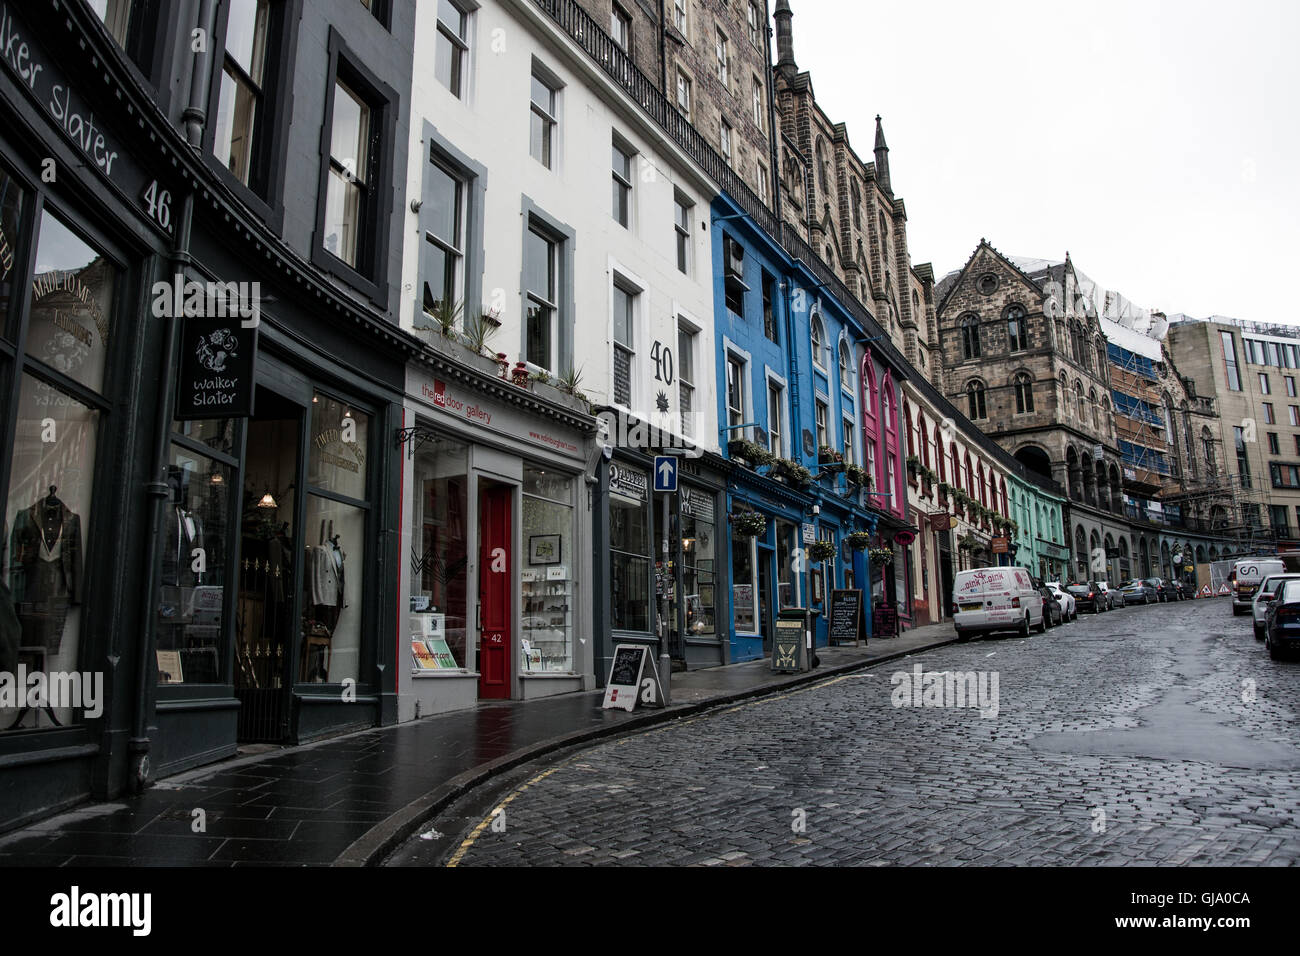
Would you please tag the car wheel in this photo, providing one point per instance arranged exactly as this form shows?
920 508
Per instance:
1024 626
1148 599
1259 633
1042 622
962 636
1274 651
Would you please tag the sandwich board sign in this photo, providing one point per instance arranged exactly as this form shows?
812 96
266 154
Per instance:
632 679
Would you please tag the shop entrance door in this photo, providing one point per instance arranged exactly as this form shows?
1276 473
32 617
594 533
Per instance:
945 577
266 612
495 587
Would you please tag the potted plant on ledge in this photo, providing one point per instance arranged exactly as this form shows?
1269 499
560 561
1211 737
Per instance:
790 472
749 453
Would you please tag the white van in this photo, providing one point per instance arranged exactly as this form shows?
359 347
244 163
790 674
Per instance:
996 599
1246 575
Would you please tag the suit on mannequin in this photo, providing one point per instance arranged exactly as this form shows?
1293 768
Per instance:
46 566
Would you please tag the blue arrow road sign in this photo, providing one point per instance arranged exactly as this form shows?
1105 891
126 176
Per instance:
665 473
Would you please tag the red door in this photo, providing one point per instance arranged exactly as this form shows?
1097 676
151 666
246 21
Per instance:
495 577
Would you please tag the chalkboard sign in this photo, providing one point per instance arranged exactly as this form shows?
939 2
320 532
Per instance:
633 679
846 618
626 671
884 621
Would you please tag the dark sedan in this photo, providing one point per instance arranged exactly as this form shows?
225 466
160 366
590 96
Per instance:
1088 598
1052 613
1165 590
1282 625
1140 592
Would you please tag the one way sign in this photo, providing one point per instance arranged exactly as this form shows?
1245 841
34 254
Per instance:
665 473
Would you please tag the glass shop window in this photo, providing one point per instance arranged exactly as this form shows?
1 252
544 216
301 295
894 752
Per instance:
629 533
439 556
547 581
699 545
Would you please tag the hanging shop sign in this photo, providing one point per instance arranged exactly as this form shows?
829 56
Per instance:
904 538
1000 545
942 521
218 358
627 482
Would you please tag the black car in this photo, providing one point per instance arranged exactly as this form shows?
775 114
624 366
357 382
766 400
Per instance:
1088 598
1186 589
1282 625
1052 613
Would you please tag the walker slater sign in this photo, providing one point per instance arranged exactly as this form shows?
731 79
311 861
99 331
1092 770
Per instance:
217 360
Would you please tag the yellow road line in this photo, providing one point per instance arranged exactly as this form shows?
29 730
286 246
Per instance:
486 822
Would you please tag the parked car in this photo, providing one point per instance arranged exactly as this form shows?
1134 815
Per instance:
992 599
1282 625
1264 595
1246 575
1166 589
1186 590
1141 592
1052 612
1114 598
1088 598
1069 609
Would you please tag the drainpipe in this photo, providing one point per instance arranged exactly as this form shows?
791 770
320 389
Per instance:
156 489
663 52
772 135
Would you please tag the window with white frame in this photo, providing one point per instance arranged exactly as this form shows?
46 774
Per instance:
818 342
846 366
775 428
683 94
541 134
757 102
686 338
624 347
679 16
451 46
726 141
723 51
238 121
444 242
848 430
622 173
348 194
620 27
682 229
822 419
540 280
735 394
754 22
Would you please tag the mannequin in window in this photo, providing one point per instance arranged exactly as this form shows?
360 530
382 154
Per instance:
46 570
325 577
183 532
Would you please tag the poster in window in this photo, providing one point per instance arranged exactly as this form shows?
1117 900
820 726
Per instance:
544 549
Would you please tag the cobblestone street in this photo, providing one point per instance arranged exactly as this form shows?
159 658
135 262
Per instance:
1160 734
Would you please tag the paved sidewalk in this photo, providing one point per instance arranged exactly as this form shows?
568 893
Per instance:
350 800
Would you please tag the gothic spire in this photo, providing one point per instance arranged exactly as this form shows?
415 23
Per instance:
882 158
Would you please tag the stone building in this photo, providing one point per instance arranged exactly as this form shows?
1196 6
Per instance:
1025 357
1250 370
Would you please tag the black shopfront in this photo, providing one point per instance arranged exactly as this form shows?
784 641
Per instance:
208 582
649 572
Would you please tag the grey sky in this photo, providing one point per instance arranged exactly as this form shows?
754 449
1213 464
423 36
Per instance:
1157 141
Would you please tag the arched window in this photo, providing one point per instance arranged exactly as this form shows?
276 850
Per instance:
886 409
956 467
868 385
908 430
884 237
1092 400
1017 329
823 171
1078 399
1005 512
1101 358
975 409
818 342
1024 393
979 479
857 205
1076 347
970 337
1207 450
970 477
925 442
846 367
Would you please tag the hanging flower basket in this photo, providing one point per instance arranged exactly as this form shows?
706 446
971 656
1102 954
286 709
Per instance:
879 557
821 550
858 540
857 475
748 524
968 543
